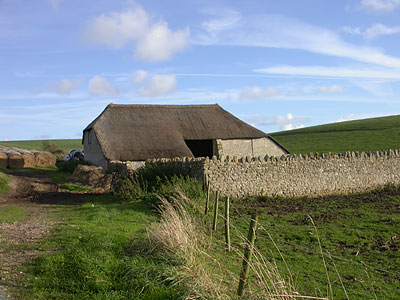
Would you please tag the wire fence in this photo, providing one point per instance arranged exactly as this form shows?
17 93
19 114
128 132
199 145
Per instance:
327 258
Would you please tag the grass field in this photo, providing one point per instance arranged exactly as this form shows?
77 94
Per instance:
100 248
359 237
64 145
361 135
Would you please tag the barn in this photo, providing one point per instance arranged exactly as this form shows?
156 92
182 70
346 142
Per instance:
140 132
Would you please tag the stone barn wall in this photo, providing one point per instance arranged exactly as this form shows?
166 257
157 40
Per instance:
243 147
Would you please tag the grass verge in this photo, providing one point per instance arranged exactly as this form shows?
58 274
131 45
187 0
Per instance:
99 252
4 180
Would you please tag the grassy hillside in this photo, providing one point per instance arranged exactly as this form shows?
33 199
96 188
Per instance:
360 135
64 145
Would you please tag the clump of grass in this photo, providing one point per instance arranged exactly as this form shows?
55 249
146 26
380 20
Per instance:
178 235
4 180
182 233
75 187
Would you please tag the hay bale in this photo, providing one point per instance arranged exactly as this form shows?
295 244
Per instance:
3 160
29 159
91 176
45 159
15 160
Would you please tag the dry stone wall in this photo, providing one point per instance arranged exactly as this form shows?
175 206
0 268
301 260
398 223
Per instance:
310 175
294 175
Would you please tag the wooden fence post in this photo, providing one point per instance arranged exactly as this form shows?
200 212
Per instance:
207 195
248 253
215 210
227 225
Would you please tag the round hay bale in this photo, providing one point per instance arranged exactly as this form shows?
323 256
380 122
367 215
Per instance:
15 160
45 159
29 160
3 160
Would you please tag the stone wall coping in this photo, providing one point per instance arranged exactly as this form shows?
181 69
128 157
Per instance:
348 155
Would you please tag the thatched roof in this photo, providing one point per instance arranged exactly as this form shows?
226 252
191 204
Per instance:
139 132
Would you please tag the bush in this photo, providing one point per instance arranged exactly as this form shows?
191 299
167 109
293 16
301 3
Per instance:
52 148
150 181
69 166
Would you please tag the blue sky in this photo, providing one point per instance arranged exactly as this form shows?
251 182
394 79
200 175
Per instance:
277 65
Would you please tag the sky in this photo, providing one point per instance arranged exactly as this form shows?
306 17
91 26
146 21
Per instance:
277 65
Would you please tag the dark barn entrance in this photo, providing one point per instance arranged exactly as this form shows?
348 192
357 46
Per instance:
200 148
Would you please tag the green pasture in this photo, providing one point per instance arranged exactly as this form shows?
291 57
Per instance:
360 135
64 145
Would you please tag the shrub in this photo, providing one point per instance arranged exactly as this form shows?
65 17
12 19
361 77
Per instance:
52 148
69 166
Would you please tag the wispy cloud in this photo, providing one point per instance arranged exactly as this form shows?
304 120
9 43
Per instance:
372 32
258 93
153 41
64 86
332 72
379 6
277 31
331 89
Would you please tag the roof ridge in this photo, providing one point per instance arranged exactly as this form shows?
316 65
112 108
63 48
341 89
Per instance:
164 105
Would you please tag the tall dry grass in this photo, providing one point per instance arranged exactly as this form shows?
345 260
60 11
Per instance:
183 234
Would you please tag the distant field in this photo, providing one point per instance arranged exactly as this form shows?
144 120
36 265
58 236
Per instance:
361 135
64 145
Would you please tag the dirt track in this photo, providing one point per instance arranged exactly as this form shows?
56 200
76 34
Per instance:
35 191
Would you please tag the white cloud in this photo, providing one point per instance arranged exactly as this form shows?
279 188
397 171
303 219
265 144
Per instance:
159 85
64 86
381 6
331 89
160 43
332 72
277 31
139 76
154 41
117 29
283 122
100 86
258 93
372 32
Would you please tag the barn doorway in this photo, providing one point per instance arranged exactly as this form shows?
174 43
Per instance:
200 148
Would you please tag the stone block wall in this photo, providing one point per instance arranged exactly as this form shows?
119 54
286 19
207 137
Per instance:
293 175
304 175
